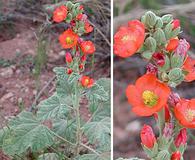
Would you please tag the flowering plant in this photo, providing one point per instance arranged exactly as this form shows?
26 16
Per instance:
169 64
57 130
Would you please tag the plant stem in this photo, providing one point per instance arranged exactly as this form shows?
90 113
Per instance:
78 134
91 149
161 120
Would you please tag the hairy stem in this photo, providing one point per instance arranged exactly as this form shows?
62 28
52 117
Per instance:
78 134
161 121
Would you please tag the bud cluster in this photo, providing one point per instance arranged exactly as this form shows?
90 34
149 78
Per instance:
163 48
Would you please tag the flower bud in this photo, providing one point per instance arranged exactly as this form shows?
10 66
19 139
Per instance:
176 75
176 156
147 136
79 16
159 36
152 69
81 66
167 18
69 71
172 44
182 48
68 57
167 114
168 130
150 44
174 98
181 138
159 59
159 23
83 58
176 23
150 18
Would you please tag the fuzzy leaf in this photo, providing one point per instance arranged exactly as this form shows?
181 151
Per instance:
26 132
65 128
3 132
63 87
48 156
97 92
105 156
102 131
54 107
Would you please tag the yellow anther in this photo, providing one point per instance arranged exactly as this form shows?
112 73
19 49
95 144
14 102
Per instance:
149 98
68 40
190 115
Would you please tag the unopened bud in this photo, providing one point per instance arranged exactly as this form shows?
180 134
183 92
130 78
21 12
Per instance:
150 18
174 98
152 69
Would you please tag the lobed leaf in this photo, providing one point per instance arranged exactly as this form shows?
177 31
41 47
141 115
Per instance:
48 156
54 107
26 132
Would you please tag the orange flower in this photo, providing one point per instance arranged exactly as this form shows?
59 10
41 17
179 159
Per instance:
86 81
148 95
87 47
189 66
172 45
185 112
68 39
60 14
129 39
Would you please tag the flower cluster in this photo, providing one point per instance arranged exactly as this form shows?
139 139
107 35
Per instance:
70 39
156 40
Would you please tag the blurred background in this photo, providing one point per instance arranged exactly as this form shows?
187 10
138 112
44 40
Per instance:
29 50
127 125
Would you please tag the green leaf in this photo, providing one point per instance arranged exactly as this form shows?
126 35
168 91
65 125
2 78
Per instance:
102 131
3 132
105 156
54 107
48 156
63 87
97 92
26 132
65 128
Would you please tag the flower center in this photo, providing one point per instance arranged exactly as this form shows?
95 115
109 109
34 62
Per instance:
86 82
87 47
150 98
127 38
59 13
68 40
190 115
